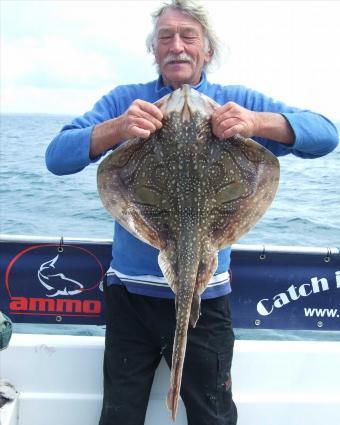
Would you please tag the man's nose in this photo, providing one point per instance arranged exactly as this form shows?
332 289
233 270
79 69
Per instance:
177 45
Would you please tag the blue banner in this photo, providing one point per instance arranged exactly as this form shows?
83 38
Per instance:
53 282
273 288
286 289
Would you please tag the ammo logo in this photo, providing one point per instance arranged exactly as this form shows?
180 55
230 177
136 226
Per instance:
49 280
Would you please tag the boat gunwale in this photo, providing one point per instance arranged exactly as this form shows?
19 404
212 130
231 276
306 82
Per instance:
238 247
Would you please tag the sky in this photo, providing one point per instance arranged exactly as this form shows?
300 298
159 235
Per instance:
62 56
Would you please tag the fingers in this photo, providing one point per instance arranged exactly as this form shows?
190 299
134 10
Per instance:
145 111
143 123
232 131
139 132
226 131
141 119
149 108
223 111
231 119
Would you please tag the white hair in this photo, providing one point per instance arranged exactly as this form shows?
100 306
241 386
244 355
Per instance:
200 14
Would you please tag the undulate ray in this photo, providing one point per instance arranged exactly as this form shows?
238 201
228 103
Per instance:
188 194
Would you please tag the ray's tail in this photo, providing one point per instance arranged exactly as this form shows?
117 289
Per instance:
183 304
188 252
183 315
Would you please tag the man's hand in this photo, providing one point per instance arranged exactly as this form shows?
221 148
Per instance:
140 120
231 119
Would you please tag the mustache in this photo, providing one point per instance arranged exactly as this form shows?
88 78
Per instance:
183 57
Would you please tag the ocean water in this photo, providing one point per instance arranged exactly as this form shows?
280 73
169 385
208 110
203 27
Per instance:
305 212
34 202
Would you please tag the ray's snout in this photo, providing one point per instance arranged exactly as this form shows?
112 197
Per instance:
186 102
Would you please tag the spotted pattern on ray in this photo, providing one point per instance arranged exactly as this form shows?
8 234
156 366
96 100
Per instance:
188 194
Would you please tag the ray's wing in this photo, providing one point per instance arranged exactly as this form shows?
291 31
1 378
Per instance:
122 190
250 180
136 183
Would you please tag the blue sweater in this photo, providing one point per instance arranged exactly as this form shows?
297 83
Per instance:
134 263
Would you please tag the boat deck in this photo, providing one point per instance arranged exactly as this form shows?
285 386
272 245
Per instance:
59 380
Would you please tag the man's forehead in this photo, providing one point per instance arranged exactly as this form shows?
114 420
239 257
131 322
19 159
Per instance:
173 18
175 27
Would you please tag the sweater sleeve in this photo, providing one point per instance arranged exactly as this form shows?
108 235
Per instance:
69 151
314 134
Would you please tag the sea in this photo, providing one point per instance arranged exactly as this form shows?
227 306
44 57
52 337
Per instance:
34 202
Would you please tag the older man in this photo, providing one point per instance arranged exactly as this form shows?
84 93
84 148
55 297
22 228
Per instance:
140 305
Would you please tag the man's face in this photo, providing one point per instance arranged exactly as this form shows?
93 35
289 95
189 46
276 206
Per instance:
180 48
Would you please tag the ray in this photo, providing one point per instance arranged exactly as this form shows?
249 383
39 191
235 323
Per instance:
188 194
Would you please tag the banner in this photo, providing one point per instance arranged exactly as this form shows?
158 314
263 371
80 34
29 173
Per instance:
286 290
53 282
273 288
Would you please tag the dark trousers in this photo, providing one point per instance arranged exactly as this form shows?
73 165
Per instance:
139 331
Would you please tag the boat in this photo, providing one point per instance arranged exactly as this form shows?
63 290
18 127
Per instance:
286 315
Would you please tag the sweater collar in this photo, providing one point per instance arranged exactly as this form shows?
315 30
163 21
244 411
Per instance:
162 90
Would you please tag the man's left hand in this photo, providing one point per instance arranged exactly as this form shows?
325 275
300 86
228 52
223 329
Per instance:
231 119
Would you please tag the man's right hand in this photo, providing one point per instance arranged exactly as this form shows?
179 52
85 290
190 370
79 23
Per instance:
141 119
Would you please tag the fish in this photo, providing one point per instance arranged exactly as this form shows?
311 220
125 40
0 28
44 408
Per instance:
188 194
57 283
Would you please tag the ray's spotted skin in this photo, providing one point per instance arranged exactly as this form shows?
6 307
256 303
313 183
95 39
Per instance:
188 194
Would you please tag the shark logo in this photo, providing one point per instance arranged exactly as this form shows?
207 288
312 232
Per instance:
57 283
46 284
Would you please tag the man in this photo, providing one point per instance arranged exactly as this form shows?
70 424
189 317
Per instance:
141 313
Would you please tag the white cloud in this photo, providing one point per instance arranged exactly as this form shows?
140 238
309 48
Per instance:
53 61
124 24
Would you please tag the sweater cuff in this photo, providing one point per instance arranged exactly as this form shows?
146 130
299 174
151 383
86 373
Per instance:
83 146
295 126
314 135
95 159
80 142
